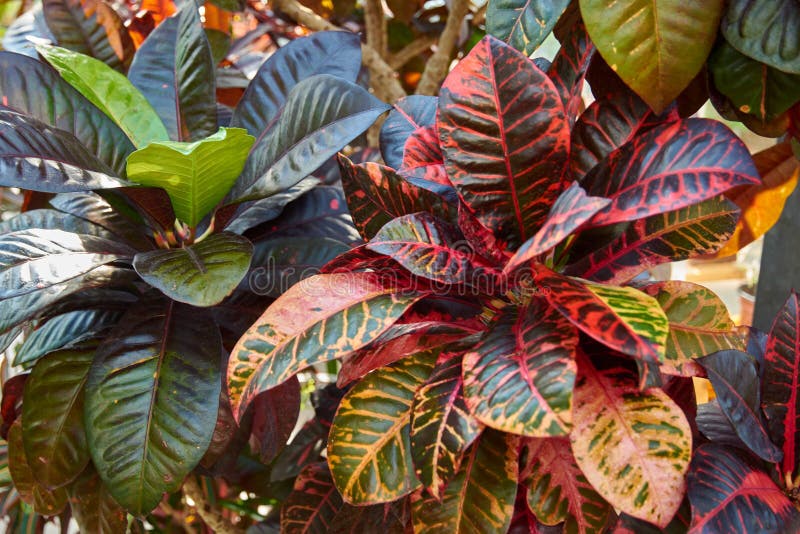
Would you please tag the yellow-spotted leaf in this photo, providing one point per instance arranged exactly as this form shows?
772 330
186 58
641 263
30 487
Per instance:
480 498
699 324
559 492
519 377
633 446
369 447
319 319
442 428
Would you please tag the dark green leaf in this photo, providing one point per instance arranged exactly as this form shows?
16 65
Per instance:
523 24
90 27
765 30
201 274
37 157
174 70
52 415
151 401
321 115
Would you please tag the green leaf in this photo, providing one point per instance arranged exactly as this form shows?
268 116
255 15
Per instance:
37 157
202 274
110 91
321 115
752 86
633 446
313 504
44 501
152 399
656 47
174 70
31 260
52 415
369 448
519 377
441 428
481 496
35 89
559 492
699 324
63 330
90 27
196 175
765 30
524 24
93 507
320 319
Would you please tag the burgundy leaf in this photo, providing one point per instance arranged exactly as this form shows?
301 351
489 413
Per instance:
275 414
668 168
569 69
572 208
505 139
781 383
728 495
408 114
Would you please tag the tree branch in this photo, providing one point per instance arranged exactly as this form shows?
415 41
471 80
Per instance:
410 51
383 80
375 21
437 67
210 516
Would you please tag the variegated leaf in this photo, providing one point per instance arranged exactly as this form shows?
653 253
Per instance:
633 446
313 504
369 447
319 319
519 377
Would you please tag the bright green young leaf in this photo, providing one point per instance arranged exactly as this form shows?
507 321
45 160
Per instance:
523 24
42 500
633 446
196 175
152 399
202 274
480 498
111 92
369 448
93 507
52 415
656 46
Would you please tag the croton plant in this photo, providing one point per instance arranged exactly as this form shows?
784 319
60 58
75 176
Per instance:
503 360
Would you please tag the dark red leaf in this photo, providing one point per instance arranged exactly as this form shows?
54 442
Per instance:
359 259
11 406
572 208
670 167
781 383
569 69
480 237
423 162
275 414
408 114
728 495
505 139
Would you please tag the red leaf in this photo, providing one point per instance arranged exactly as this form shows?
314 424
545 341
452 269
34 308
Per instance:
668 168
505 139
275 414
569 69
408 114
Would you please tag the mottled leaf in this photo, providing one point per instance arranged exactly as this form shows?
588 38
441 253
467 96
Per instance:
407 115
313 504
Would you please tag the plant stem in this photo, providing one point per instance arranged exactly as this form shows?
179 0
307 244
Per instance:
376 26
438 65
210 515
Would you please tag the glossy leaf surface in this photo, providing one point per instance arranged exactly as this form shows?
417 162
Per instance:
111 92
408 114
441 428
52 416
480 498
699 324
376 194
781 382
313 504
505 139
523 24
42 500
375 464
735 379
321 115
558 490
322 318
655 47
162 367
569 68
196 175
668 168
764 30
61 107
201 274
174 70
727 493
633 446
336 53
519 377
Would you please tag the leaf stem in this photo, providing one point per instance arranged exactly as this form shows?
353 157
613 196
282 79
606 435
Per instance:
210 515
